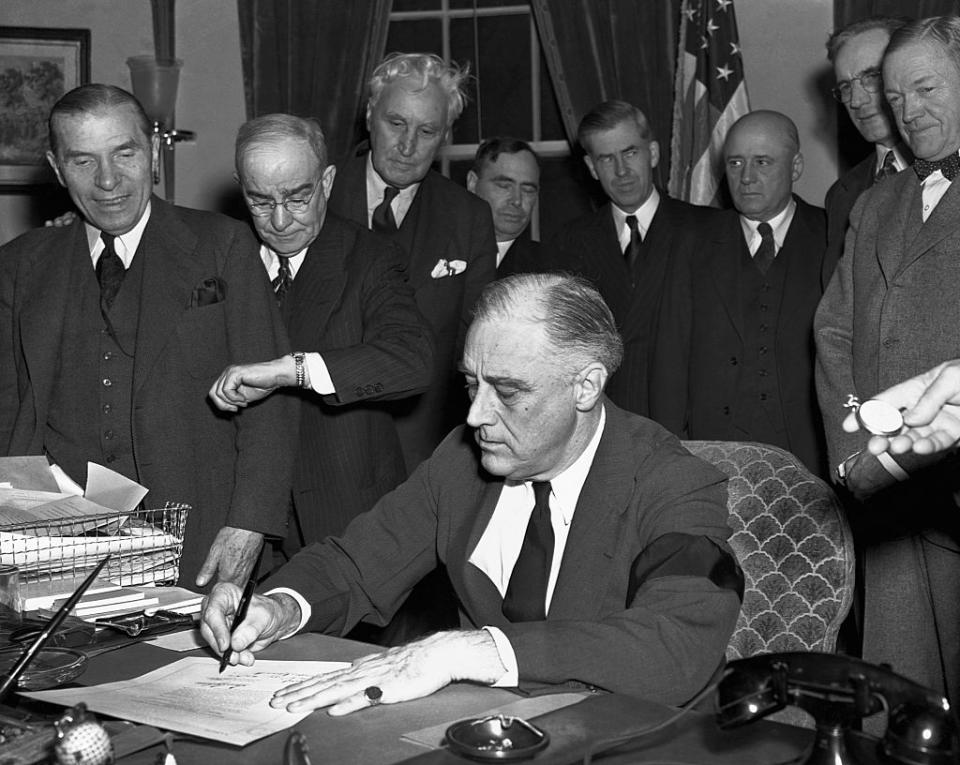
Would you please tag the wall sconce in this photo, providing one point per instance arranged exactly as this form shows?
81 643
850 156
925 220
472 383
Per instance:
155 86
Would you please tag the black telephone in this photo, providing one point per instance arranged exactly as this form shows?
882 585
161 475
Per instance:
837 690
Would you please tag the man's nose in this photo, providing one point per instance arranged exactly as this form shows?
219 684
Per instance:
516 197
280 218
407 145
910 108
107 176
481 409
619 166
748 174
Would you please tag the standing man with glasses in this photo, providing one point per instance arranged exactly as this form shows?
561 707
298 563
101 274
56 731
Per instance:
359 339
891 313
113 327
856 53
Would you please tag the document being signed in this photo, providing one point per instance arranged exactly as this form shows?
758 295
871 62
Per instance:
190 696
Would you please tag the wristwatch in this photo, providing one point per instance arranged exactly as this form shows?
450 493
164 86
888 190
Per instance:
298 358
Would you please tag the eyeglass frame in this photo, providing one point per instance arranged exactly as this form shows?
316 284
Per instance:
266 209
876 74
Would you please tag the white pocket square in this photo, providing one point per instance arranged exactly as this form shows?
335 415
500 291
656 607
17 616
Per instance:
448 268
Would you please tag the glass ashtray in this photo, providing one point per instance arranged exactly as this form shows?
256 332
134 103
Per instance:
496 738
50 667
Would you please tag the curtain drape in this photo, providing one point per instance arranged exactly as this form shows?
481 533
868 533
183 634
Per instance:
847 11
602 49
312 59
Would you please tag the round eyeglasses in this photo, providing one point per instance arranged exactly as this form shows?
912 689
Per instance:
870 80
293 205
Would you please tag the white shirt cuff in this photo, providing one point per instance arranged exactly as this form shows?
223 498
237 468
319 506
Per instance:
892 466
305 610
320 381
510 678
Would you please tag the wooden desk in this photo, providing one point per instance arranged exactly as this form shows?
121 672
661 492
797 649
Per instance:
373 736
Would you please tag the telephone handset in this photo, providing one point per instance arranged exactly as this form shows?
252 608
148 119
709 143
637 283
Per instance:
838 690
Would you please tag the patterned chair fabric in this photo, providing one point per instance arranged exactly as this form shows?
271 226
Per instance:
794 545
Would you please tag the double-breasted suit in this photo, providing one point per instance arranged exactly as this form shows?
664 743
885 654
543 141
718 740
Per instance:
350 302
444 223
590 247
724 354
891 312
205 303
626 614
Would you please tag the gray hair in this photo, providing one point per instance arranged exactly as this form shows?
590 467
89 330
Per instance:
577 321
427 68
944 30
841 37
271 127
93 98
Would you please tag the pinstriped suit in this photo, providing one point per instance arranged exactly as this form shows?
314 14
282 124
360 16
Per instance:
891 312
350 302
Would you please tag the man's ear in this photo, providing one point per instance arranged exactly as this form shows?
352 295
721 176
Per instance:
654 149
155 155
56 168
472 181
797 169
590 166
326 180
589 386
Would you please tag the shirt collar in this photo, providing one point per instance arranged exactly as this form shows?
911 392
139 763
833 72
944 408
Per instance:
899 161
644 213
376 186
126 244
566 486
271 261
780 223
502 249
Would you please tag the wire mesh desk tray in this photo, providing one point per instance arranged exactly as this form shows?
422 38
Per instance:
144 546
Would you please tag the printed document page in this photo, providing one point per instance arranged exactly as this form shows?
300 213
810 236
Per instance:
190 696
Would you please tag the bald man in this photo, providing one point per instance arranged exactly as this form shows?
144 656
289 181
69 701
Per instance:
734 360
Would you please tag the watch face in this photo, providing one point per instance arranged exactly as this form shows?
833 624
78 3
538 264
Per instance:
880 418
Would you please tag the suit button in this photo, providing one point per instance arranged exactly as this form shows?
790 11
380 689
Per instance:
763 396
108 434
107 382
107 408
763 307
763 373
110 458
763 350
726 410
763 327
107 356
890 342
733 361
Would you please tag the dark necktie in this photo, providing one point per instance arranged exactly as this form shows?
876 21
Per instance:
763 257
949 166
527 592
888 167
632 252
383 219
283 280
110 272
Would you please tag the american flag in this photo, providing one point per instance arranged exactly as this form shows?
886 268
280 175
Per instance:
710 95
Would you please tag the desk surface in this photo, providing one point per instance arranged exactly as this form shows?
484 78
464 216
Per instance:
373 736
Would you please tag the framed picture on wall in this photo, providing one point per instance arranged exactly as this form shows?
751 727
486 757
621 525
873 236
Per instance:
37 66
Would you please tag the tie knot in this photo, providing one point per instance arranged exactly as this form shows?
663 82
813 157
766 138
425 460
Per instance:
390 193
541 494
633 224
949 166
284 265
108 241
765 231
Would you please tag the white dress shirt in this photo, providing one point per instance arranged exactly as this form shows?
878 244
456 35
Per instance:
932 189
126 244
780 223
317 373
898 161
644 214
502 249
375 190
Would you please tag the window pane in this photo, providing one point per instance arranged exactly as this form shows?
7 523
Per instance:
415 37
503 74
480 4
415 5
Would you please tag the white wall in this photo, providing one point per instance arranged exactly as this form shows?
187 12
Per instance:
210 99
785 65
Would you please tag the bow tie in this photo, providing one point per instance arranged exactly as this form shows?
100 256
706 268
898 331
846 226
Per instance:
949 166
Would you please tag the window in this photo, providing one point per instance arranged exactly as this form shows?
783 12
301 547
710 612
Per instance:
509 93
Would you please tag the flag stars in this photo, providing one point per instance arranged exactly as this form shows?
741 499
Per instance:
724 72
722 5
704 42
690 12
711 27
734 49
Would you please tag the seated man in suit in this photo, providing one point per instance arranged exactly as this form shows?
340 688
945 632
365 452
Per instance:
628 246
890 313
506 174
584 543
346 303
113 327
856 52
735 358
445 231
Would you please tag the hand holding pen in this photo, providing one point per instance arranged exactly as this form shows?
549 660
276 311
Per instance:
239 616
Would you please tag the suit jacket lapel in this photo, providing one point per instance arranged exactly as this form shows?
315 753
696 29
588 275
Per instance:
594 532
170 272
725 264
800 253
941 224
318 284
480 594
423 235
899 212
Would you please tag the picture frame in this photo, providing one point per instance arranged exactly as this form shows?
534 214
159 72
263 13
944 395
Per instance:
37 66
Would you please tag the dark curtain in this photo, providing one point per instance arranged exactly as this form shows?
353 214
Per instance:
312 59
847 11
602 49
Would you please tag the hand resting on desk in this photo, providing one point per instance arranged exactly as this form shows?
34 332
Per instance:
402 673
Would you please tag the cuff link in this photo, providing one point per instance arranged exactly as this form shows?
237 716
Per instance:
876 416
